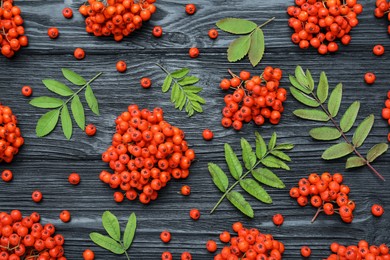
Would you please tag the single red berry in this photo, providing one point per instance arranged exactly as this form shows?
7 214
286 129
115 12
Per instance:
278 219
377 210
378 50
36 196
211 246
185 190
79 53
90 129
53 32
207 134
186 256
165 236
224 237
118 196
67 12
369 78
305 251
194 214
88 254
65 216
166 256
157 31
190 9
146 82
6 175
213 33
27 91
121 66
74 178
193 52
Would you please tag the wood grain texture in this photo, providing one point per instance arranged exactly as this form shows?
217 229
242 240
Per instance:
44 164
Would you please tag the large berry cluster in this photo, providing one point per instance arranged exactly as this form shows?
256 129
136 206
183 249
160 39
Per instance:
386 112
146 152
362 251
118 17
25 238
319 23
12 36
249 244
326 192
254 98
382 9
10 137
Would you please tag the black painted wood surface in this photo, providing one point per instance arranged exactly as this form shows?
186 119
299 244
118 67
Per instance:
44 163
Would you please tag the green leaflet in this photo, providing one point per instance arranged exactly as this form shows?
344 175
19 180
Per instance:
323 88
91 100
78 112
180 73
107 243
128 235
248 156
297 85
272 141
310 80
46 102
268 178
363 130
325 133
254 189
349 117
301 77
167 84
240 203
273 162
236 25
312 114
111 225
219 177
261 147
284 147
281 155
47 123
188 81
376 151
233 163
257 47
73 77
57 87
238 48
354 162
303 98
337 151
335 100
66 122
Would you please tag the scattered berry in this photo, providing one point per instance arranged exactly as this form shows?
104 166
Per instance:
121 66
193 52
36 196
74 178
157 31
53 32
377 210
369 78
166 256
186 256
190 9
211 246
90 129
67 12
305 251
79 53
88 254
213 34
65 216
378 50
146 82
185 190
27 91
194 214
165 236
6 175
278 219
207 134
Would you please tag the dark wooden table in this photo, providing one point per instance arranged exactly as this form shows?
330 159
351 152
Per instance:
45 163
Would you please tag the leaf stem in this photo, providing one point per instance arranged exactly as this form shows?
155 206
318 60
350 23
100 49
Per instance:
267 22
127 255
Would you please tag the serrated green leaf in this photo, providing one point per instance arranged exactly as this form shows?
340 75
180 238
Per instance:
106 243
78 112
363 130
238 48
111 225
254 189
47 122
180 73
312 114
236 25
66 122
175 92
349 117
196 106
281 155
284 147
233 163
167 84
91 100
257 47
192 89
298 86
261 147
46 102
219 177
57 87
73 77
310 80
376 151
190 80
248 156
325 133
335 100
301 77
129 233
268 178
354 162
195 97
303 98
273 162
272 141
337 151
323 88
240 203
181 100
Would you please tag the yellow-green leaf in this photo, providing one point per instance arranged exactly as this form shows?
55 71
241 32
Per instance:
175 92
106 243
190 80
284 147
337 151
349 117
354 162
66 122
236 25
376 151
363 130
254 189
312 114
111 225
167 84
261 147
323 88
128 235
240 203
325 133
57 87
219 177
238 48
46 102
47 122
233 163
248 156
335 100
257 47
180 73
303 98
268 178
78 112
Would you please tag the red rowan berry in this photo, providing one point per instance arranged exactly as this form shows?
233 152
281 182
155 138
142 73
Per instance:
211 246
36 196
377 210
278 219
378 50
27 91
207 134
213 34
6 175
146 82
157 31
369 78
88 254
53 32
305 251
190 9
194 214
185 190
165 236
90 129
193 52
67 12
121 66
79 53
65 216
224 237
74 178
166 256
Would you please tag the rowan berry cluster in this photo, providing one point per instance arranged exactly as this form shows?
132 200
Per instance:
146 152
119 18
254 98
10 136
386 112
250 244
25 238
362 251
12 36
319 23
326 192
382 9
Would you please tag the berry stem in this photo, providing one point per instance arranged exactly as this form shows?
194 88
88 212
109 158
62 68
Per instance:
316 215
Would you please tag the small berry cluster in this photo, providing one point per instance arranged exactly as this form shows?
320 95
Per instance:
25 238
12 36
119 18
165 237
319 23
326 192
254 98
250 243
146 152
382 9
362 251
10 136
386 112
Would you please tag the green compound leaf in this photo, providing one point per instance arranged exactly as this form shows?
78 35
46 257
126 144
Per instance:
337 151
91 100
73 77
233 163
268 178
323 88
312 114
261 147
294 82
46 102
106 242
349 117
254 189
236 25
240 203
47 123
167 84
111 225
248 156
354 162
57 87
257 47
325 133
180 73
78 111
363 130
301 77
128 235
238 48
303 98
376 151
335 100
66 122
219 177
